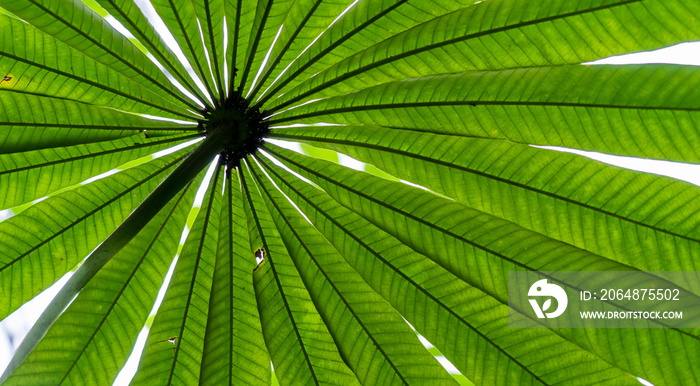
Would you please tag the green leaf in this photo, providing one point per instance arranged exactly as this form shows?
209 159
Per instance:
260 30
181 19
175 342
106 317
129 14
444 308
30 122
78 26
57 233
41 64
373 339
297 339
481 249
48 170
653 116
501 34
300 26
240 16
633 214
210 13
363 25
234 347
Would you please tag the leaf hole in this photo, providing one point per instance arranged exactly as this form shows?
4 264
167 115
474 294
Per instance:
259 255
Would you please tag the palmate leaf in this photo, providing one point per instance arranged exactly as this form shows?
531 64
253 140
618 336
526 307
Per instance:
311 265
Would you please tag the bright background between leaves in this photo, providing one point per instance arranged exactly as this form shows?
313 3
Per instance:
17 324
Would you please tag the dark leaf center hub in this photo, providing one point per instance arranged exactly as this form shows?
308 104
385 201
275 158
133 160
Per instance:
244 128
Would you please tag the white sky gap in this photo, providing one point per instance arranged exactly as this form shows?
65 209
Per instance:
306 125
100 176
644 382
678 170
118 26
173 149
684 53
350 162
206 55
16 325
226 75
285 167
294 107
444 362
264 62
199 198
178 121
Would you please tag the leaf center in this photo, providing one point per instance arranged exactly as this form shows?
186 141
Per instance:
244 128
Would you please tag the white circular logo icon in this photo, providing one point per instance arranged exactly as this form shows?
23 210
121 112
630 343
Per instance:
542 288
